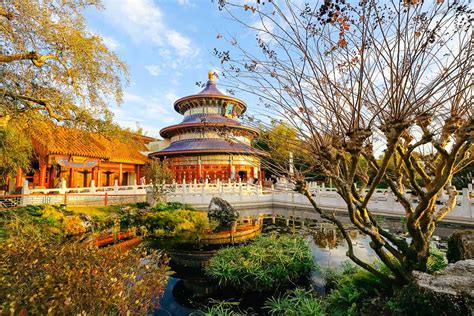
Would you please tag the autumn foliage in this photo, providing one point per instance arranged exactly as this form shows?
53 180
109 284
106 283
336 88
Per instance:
43 274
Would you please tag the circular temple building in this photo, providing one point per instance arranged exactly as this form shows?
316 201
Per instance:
210 143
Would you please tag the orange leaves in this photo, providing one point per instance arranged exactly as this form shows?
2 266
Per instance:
342 42
411 2
344 25
252 8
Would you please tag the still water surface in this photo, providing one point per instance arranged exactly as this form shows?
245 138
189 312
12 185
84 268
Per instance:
189 293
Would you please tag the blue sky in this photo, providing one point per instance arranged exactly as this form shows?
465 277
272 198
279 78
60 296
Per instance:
167 45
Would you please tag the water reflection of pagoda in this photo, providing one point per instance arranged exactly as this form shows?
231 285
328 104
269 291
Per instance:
210 143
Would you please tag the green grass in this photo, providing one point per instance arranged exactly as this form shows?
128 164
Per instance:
264 265
99 212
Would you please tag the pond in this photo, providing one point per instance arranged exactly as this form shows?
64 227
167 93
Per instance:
189 291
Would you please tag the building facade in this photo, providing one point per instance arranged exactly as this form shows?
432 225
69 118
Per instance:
210 143
79 157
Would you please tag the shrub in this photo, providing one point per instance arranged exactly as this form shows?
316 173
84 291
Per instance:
264 265
172 206
332 275
436 261
73 225
354 287
297 302
42 274
172 223
52 215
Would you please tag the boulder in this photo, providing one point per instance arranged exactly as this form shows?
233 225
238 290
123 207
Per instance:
461 245
221 211
452 288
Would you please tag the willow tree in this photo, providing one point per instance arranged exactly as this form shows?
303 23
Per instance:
361 80
52 68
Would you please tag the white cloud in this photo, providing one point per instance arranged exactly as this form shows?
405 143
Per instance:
163 52
171 97
186 3
181 43
110 42
144 22
154 70
263 28
154 112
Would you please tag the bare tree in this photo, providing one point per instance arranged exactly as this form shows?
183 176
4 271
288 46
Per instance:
390 79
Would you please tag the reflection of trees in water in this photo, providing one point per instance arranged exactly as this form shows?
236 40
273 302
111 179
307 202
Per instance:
327 235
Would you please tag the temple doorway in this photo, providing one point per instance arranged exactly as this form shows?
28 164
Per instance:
242 175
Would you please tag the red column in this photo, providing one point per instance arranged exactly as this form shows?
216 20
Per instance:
120 177
199 169
71 178
19 178
99 178
42 174
52 176
137 173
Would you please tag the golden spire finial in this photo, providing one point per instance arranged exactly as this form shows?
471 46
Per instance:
211 75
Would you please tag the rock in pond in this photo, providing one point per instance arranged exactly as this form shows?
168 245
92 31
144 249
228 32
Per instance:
452 287
461 245
221 211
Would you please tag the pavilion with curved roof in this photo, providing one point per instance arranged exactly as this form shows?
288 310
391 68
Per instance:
210 143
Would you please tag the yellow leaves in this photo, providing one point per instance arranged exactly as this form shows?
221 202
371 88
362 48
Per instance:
73 225
61 280
68 67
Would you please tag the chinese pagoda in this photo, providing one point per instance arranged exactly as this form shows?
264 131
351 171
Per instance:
210 143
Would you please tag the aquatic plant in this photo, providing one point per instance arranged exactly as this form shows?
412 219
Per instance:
299 302
222 308
353 287
333 274
263 265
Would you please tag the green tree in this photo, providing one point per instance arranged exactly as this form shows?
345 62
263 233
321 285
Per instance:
281 141
53 69
159 175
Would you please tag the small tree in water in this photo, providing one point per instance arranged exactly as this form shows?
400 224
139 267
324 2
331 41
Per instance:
360 80
159 175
